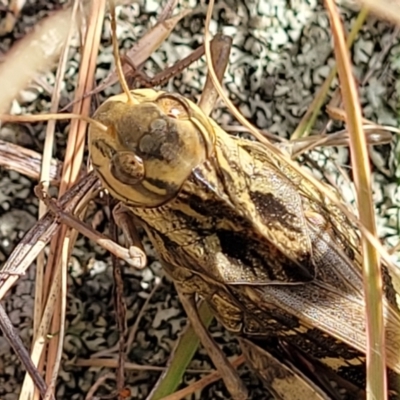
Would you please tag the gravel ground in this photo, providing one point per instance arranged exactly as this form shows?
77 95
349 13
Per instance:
281 55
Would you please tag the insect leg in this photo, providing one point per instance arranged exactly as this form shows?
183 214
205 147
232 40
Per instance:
282 382
220 49
124 220
230 376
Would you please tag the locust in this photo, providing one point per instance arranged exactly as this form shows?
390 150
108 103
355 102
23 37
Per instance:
235 224
276 260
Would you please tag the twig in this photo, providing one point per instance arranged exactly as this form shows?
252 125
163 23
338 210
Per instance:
22 353
120 309
39 235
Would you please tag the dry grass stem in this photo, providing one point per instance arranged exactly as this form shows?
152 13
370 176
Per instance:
36 52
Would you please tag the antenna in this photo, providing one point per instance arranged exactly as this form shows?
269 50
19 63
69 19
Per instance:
118 64
46 117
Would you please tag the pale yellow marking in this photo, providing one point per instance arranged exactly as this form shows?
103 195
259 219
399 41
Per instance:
154 189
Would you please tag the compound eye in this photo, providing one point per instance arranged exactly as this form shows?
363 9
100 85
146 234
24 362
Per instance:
173 105
127 168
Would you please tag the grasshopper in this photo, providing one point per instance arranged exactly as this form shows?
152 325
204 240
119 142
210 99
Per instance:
232 222
278 262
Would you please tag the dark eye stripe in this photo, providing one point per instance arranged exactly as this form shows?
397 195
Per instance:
105 149
164 185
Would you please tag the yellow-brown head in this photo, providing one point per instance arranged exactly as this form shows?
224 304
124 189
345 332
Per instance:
150 147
